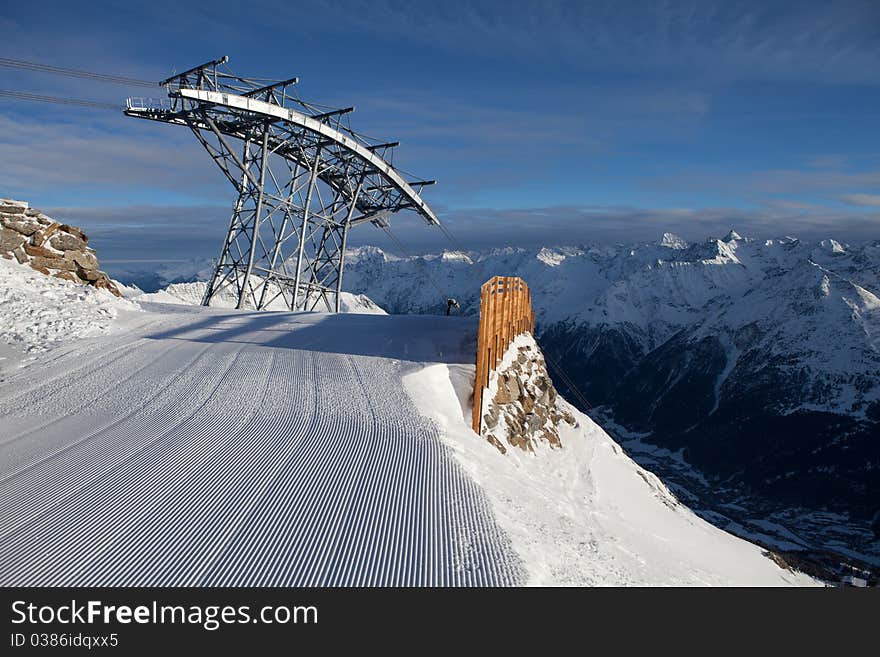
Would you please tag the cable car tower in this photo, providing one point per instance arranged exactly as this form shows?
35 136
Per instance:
304 178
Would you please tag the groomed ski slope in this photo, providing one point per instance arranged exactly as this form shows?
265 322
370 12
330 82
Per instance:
226 448
159 444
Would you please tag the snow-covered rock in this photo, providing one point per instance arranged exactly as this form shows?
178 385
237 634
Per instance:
673 241
520 405
32 238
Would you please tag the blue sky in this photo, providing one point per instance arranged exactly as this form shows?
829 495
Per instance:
543 122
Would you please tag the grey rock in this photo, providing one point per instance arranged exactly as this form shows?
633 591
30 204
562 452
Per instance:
88 274
513 388
67 276
66 242
534 422
104 283
82 258
76 232
497 443
544 399
10 240
491 418
39 252
27 228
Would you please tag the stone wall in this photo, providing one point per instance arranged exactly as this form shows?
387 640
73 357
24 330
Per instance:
55 249
521 407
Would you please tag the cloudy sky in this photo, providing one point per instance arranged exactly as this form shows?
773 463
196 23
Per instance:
543 122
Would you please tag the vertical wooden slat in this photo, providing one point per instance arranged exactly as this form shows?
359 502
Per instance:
499 309
514 324
518 314
511 312
481 364
519 306
490 323
508 297
506 320
496 322
499 327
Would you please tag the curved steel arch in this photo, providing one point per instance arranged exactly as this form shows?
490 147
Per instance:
305 122
303 178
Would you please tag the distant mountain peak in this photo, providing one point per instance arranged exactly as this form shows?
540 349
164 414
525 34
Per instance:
732 236
550 257
832 246
673 241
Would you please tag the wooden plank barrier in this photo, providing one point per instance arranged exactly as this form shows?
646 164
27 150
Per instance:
505 312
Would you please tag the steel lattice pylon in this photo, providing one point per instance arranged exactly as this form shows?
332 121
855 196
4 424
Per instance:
304 178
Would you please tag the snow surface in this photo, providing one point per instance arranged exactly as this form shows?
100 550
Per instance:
192 294
215 447
181 445
586 514
38 312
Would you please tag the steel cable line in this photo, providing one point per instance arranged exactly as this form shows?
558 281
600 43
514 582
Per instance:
455 243
21 95
567 380
457 248
74 73
406 253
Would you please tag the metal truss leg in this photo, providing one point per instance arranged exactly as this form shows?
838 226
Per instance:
245 284
287 235
297 291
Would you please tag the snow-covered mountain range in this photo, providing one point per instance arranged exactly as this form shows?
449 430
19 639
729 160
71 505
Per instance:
757 361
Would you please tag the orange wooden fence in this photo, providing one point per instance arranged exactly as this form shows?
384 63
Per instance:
505 312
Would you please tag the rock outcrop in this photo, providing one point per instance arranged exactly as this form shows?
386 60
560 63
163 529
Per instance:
524 408
49 247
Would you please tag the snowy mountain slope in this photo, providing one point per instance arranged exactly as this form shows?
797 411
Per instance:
799 292
586 514
759 358
222 447
767 296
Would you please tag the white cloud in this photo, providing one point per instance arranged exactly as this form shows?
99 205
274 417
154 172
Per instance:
149 232
869 200
736 39
108 152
